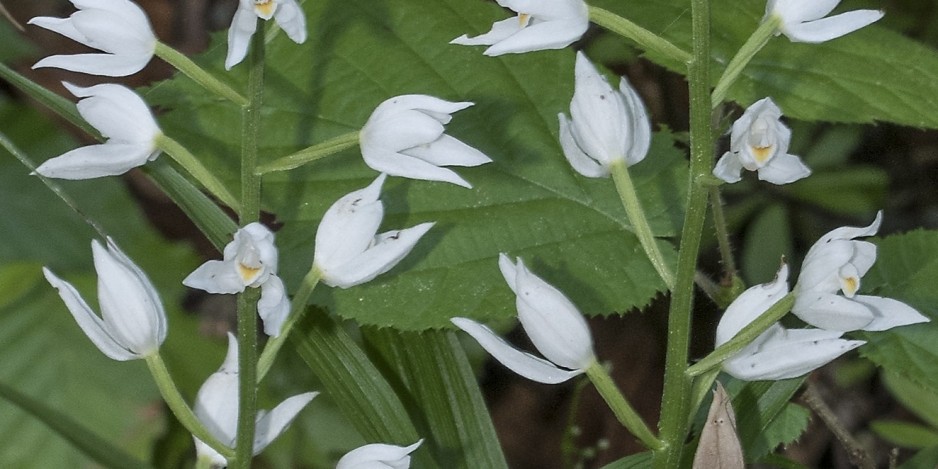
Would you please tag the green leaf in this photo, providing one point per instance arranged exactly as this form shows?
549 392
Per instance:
356 385
764 416
906 268
437 379
768 238
870 75
635 461
913 397
905 434
84 439
571 230
925 459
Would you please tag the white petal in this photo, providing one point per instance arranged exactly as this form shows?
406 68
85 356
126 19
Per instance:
348 227
389 249
398 164
111 32
728 168
851 232
63 26
889 313
822 264
796 11
579 160
291 19
216 404
598 113
525 364
130 308
542 36
439 109
273 423
88 321
274 306
117 112
750 305
399 131
216 277
378 455
500 31
784 169
832 312
242 28
509 270
831 28
638 121
788 354
552 322
448 151
94 161
97 64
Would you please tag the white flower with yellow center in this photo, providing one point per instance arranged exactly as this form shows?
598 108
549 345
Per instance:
804 21
540 25
759 142
250 260
837 262
287 13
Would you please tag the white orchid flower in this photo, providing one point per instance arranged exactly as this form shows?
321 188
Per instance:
608 125
759 142
124 119
216 406
118 27
837 262
404 137
803 20
378 456
132 324
250 260
778 353
540 25
287 13
552 322
348 251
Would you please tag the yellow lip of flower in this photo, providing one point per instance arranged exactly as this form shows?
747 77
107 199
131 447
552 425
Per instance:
523 19
264 8
850 285
762 154
248 273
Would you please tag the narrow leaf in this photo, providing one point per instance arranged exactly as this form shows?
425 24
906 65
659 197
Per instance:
80 437
438 378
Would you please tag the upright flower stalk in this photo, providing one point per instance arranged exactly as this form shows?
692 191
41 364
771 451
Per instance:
675 403
609 131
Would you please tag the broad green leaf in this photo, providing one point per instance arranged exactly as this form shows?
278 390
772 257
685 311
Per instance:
870 75
436 377
768 238
764 416
571 230
906 268
905 434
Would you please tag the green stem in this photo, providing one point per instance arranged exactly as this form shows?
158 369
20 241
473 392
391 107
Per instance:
179 407
198 74
723 236
633 208
297 308
249 213
310 154
193 166
676 398
760 37
645 39
620 406
744 337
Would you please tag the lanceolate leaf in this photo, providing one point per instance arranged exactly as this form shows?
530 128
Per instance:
570 230
870 75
